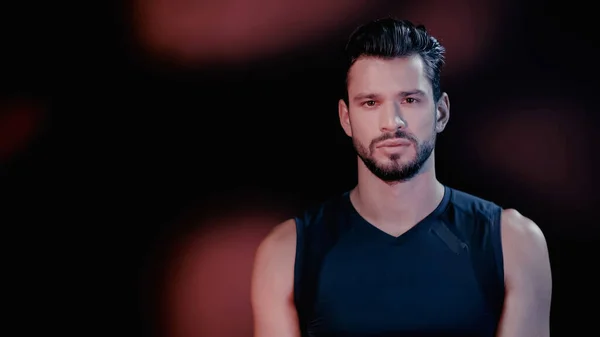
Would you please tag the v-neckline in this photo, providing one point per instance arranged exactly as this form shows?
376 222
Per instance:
361 222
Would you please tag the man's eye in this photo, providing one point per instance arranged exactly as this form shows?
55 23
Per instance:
370 103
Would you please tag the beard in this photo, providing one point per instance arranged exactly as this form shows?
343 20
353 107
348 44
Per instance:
394 171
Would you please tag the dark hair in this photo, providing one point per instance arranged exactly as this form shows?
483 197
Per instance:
391 38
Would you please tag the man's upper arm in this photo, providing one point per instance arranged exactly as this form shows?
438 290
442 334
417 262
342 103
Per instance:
273 284
528 278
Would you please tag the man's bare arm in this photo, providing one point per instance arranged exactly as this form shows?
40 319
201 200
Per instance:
527 276
273 284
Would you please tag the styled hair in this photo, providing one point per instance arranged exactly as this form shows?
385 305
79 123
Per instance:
390 38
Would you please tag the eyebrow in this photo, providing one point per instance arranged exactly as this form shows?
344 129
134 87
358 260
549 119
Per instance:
363 96
415 92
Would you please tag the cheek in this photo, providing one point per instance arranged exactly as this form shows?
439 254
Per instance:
364 130
422 123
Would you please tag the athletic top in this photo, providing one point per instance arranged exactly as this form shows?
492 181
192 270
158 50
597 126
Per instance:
443 277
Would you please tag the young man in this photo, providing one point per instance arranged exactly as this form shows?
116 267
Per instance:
401 254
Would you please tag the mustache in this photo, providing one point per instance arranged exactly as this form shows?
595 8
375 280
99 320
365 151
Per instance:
399 134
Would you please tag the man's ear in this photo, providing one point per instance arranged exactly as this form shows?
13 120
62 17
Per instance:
442 114
344 117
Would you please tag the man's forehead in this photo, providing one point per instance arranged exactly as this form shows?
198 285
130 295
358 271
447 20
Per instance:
371 74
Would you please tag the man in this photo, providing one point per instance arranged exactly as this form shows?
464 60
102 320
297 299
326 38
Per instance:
401 254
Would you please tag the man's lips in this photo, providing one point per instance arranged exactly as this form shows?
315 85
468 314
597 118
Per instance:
394 142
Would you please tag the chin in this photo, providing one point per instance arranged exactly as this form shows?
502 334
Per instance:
398 160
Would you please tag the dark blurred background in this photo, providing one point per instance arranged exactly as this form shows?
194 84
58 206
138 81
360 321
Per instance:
146 147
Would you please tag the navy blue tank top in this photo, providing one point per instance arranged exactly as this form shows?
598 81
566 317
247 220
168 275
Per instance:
443 277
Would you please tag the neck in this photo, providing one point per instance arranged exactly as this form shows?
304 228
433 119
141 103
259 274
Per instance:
397 205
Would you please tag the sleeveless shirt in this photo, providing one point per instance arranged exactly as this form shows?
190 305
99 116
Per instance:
443 277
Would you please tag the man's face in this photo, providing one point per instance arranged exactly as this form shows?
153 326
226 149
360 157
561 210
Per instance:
391 115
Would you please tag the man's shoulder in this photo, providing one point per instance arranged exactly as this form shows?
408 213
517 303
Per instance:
474 206
526 258
283 237
280 238
318 210
510 218
458 196
519 230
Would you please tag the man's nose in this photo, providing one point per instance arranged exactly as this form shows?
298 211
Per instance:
392 119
